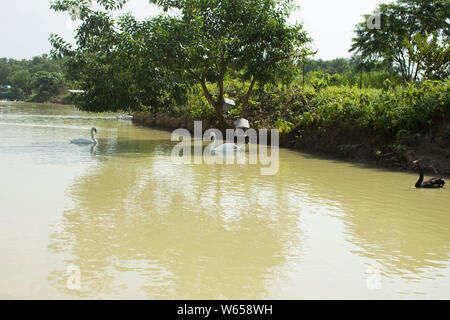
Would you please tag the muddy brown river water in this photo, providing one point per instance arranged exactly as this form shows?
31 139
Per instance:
129 222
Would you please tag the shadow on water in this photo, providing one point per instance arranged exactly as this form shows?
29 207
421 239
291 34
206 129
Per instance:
367 164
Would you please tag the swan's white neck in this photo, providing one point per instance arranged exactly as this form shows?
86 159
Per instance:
213 144
92 136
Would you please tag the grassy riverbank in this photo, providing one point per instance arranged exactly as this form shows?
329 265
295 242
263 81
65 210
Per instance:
391 126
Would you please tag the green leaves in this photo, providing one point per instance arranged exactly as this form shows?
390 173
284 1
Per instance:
397 43
65 5
392 112
21 79
21 74
161 57
431 54
47 84
284 126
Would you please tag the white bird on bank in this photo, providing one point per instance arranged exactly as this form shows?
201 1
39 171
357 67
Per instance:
223 148
86 140
125 117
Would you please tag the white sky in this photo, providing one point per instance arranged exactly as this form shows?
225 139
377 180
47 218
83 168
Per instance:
25 25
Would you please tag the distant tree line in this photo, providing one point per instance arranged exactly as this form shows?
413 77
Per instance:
347 72
38 78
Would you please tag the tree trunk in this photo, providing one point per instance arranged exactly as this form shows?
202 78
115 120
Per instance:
417 72
248 94
218 106
303 74
361 75
208 95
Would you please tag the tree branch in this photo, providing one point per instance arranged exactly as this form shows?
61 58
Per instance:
202 81
249 92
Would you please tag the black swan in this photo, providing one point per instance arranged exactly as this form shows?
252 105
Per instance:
431 183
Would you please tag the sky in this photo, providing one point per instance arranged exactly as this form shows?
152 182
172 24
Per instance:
25 25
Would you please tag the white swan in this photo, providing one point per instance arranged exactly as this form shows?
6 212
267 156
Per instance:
85 140
223 148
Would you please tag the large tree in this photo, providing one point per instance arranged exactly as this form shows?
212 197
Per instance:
211 38
113 68
204 41
396 43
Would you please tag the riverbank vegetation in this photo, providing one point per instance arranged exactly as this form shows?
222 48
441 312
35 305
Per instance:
392 125
389 101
